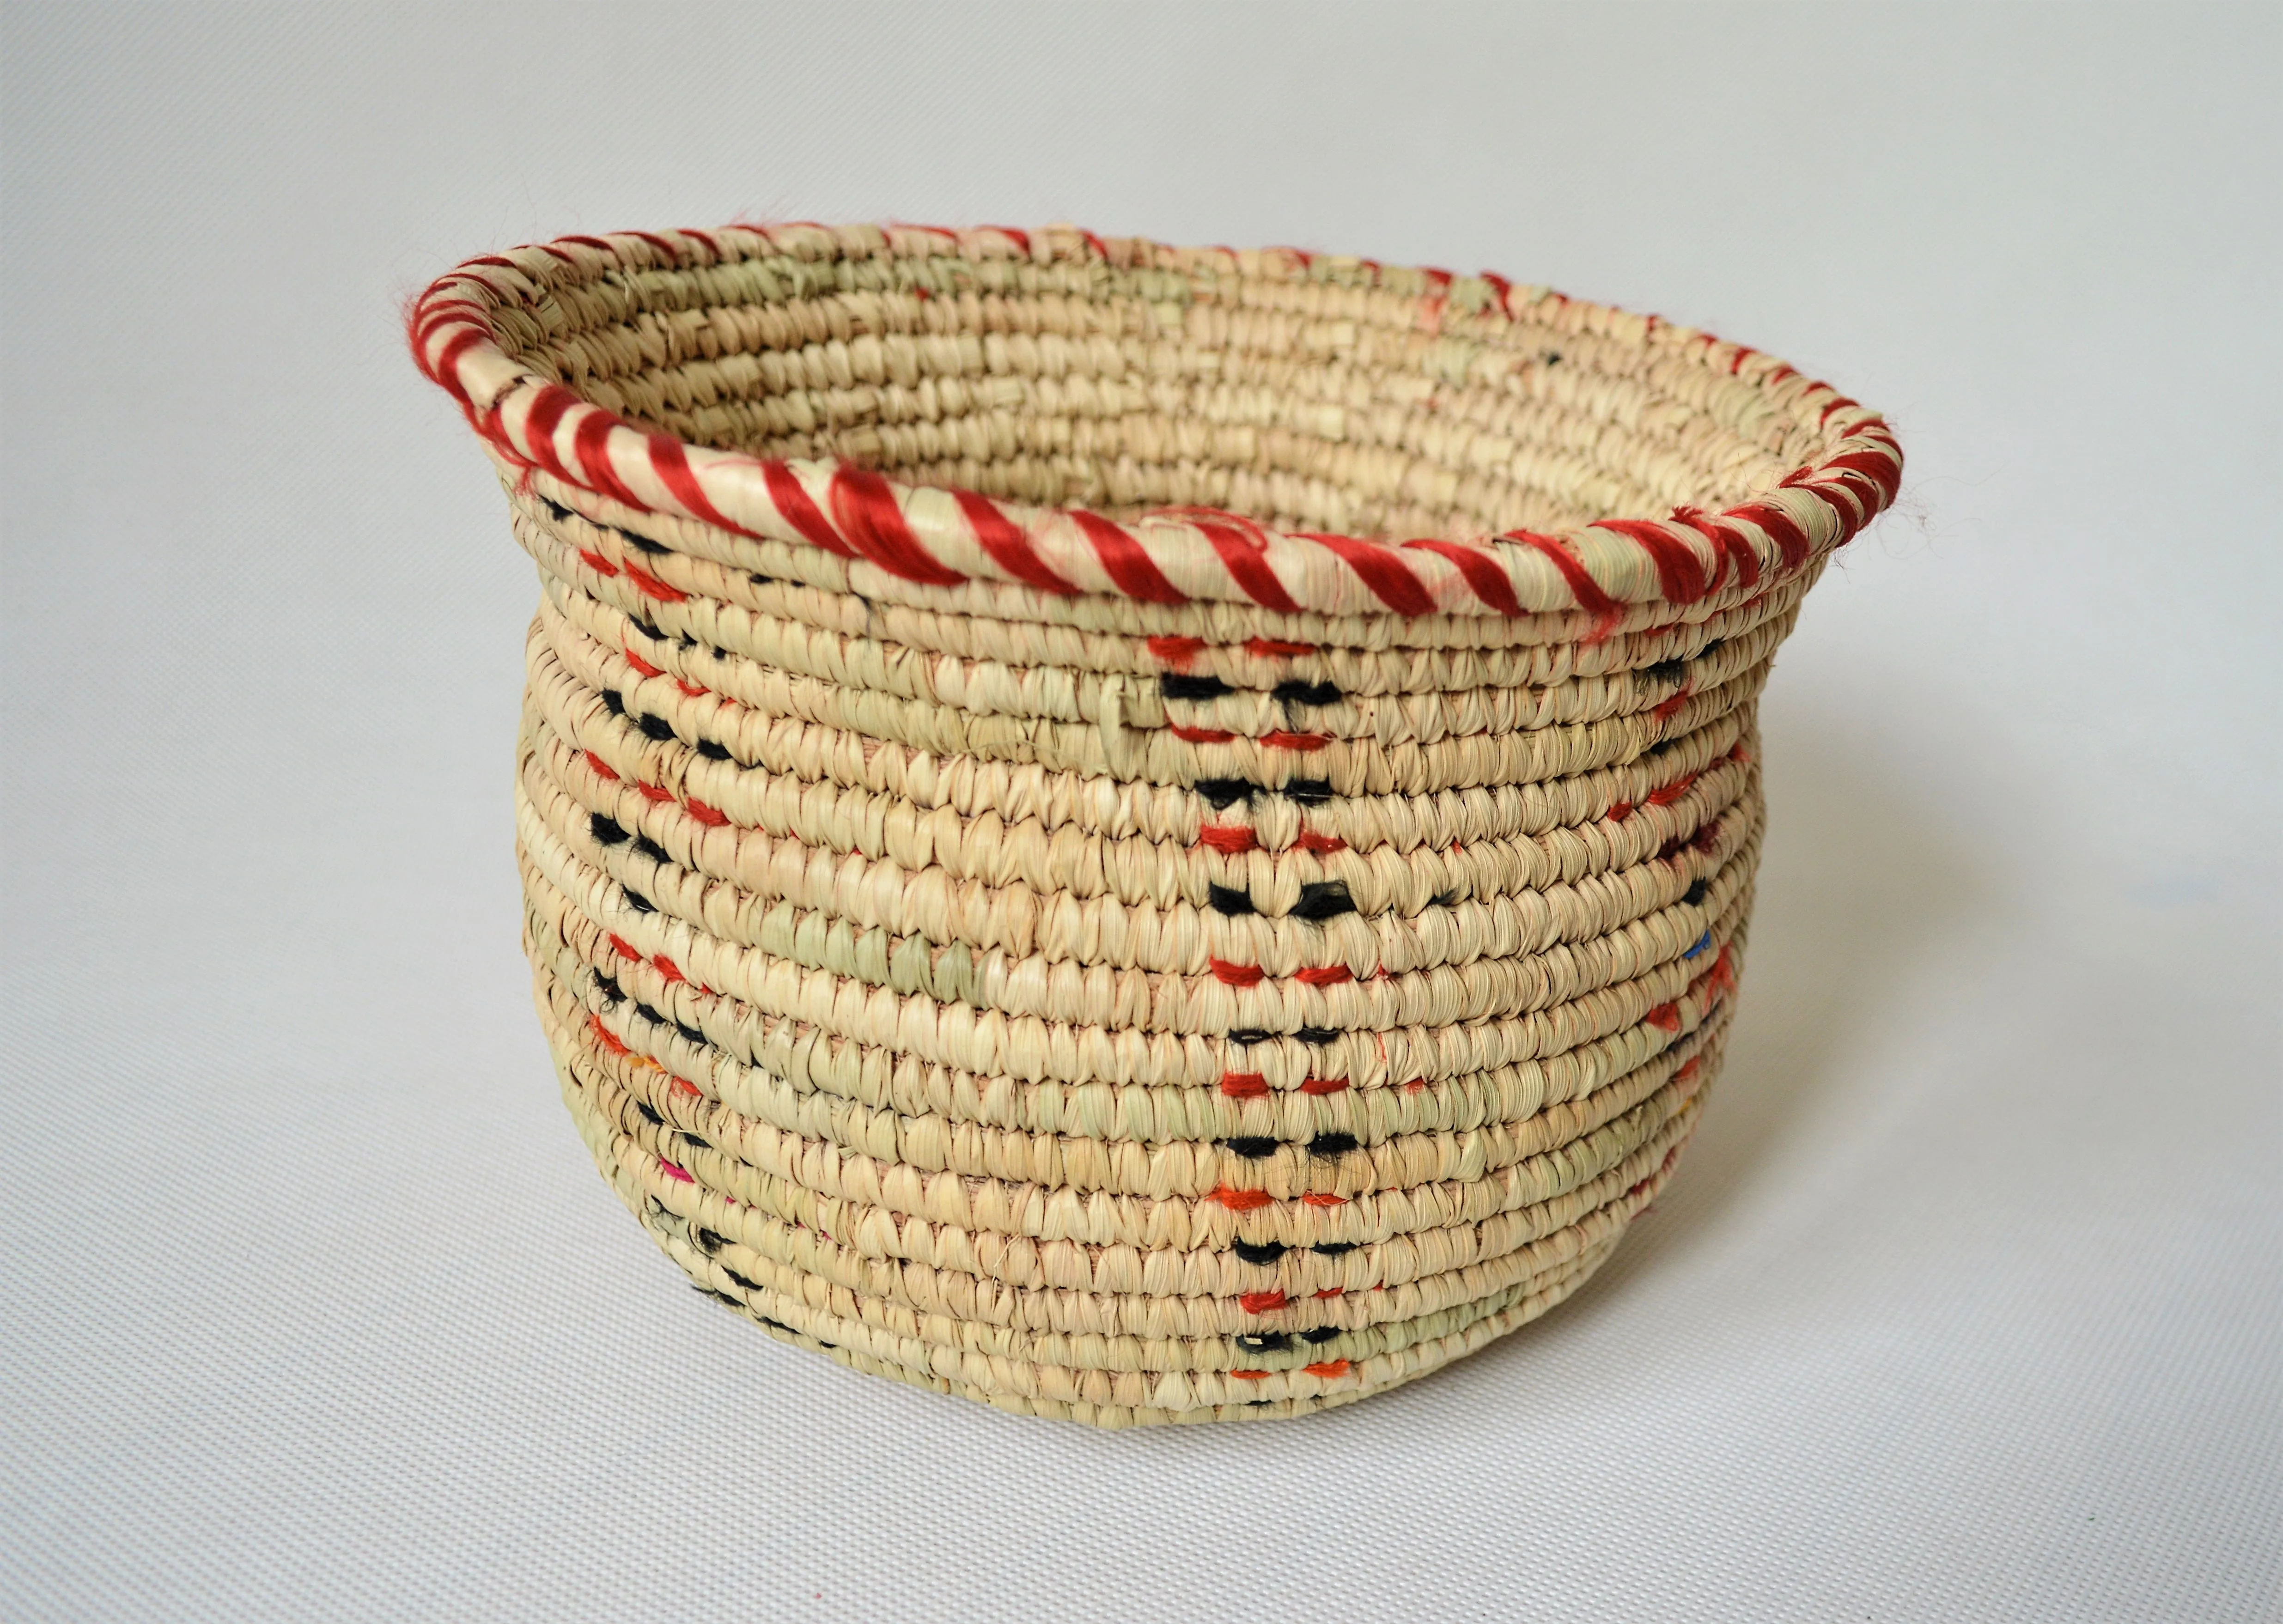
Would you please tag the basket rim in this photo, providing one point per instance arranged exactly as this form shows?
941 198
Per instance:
931 535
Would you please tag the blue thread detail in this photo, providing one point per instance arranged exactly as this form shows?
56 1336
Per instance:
1703 942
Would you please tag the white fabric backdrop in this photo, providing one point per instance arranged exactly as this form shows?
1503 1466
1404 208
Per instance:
1965 1303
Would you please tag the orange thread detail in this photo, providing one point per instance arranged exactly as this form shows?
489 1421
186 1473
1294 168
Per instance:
1200 735
683 1085
1671 708
641 665
1672 791
691 688
1329 1368
600 768
1177 651
1250 1375
1236 974
1228 837
606 1037
1320 1199
1244 1085
706 815
1310 841
1337 1291
666 967
1696 1064
1326 975
1664 1017
1307 744
597 563
622 947
1325 1085
1261 1301
651 792
1241 1201
1622 811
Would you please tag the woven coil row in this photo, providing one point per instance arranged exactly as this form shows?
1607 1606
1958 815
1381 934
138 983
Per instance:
1019 902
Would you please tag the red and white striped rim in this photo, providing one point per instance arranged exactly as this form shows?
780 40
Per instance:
931 535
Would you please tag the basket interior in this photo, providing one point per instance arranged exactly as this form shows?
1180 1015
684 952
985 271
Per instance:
1308 395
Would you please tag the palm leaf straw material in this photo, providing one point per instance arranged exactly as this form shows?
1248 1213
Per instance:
1029 893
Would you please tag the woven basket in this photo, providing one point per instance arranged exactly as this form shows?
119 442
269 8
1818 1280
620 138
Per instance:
1028 894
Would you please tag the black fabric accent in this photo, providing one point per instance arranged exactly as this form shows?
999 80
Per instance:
1251 1034
649 1115
1334 1248
606 829
1660 747
651 849
778 1324
693 1140
655 728
1694 894
648 1014
1252 1147
1191 688
713 752
741 1279
1263 1342
1322 1334
643 544
708 1242
1308 791
1221 791
718 1296
1318 1034
613 703
1666 671
1324 899
608 986
1331 1144
1229 899
1308 693
694 1034
1712 649
556 510
1442 899
639 903
1263 1252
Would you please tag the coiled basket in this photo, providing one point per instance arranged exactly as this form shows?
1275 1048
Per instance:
1116 830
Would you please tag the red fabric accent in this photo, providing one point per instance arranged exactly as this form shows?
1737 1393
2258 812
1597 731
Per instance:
1241 1200
1177 651
641 665
1325 1085
866 513
1672 791
792 501
1328 1368
443 372
1020 237
592 445
1236 974
1484 575
1270 648
683 1085
1324 1201
1244 554
1381 569
669 460
1126 561
673 1171
694 689
1200 735
1326 975
1729 546
1622 811
652 586
1679 572
621 946
1670 708
667 968
1010 549
597 563
602 768
1227 837
651 792
1307 744
1261 1301
672 255
1310 841
1244 1085
1335 1291
606 1037
1250 1375
1782 529
1696 1064
1583 586
706 815
547 408
1664 1017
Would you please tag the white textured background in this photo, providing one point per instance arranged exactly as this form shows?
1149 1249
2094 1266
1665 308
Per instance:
1965 1303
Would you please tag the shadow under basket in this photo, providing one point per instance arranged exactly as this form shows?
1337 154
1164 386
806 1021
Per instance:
1113 829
